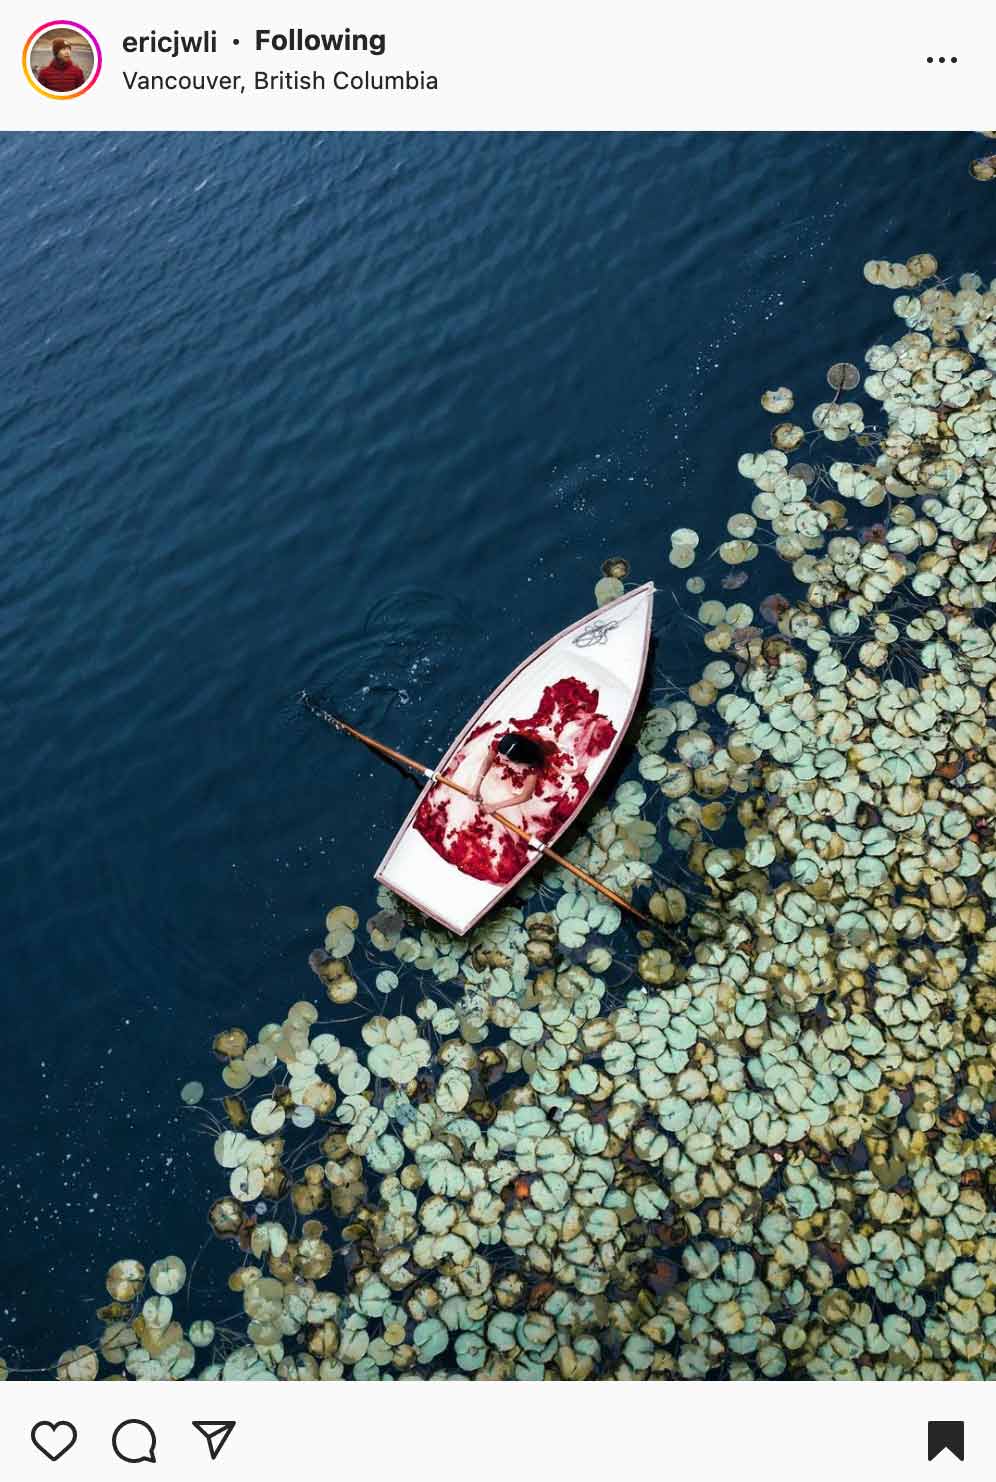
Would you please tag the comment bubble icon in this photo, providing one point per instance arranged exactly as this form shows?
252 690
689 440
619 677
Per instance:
134 1440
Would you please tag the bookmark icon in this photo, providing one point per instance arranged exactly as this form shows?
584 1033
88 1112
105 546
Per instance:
215 1433
946 1435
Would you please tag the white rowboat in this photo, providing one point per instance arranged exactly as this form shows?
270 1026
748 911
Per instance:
574 697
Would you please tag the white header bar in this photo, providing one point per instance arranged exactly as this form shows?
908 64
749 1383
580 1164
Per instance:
517 65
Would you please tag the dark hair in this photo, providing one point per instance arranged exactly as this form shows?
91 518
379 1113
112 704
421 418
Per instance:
523 749
58 43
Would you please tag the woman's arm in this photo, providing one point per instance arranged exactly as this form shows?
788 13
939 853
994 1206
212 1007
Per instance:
522 796
483 771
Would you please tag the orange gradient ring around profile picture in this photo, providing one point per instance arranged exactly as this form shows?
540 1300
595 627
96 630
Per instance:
55 26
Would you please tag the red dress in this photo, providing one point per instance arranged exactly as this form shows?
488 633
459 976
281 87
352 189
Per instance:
572 732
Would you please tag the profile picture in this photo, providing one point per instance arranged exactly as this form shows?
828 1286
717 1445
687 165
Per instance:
61 59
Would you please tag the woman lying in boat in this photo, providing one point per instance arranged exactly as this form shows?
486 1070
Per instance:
534 765
522 761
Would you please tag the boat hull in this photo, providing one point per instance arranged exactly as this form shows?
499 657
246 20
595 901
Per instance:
576 695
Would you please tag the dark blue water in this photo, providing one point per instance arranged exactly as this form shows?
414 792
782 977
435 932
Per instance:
363 413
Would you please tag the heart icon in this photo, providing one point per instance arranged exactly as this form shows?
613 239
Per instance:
54 1439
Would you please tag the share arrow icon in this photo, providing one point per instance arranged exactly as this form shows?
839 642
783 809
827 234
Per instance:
215 1433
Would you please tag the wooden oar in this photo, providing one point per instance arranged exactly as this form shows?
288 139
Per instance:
338 724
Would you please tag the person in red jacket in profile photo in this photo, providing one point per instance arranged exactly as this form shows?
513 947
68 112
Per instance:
62 74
